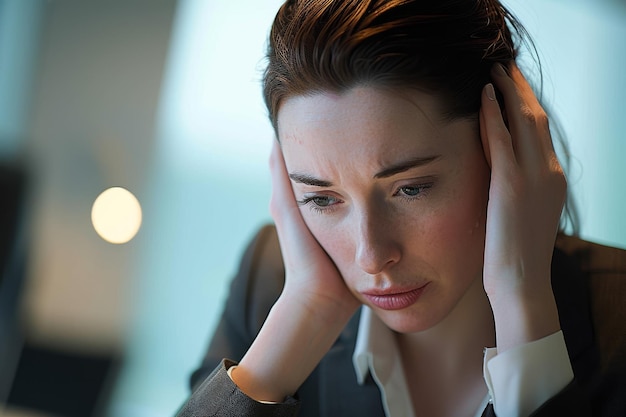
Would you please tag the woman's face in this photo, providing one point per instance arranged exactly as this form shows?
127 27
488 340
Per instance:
394 194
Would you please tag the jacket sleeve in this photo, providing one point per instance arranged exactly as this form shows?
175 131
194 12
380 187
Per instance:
218 395
565 403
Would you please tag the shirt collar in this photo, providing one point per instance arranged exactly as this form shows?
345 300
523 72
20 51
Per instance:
375 353
373 339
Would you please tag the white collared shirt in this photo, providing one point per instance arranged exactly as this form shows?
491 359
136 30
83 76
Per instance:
519 380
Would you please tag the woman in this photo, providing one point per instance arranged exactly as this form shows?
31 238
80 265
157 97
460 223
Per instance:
413 175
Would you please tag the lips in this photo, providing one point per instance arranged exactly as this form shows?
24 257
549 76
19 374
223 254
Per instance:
394 299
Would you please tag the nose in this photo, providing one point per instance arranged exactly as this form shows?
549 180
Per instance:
377 246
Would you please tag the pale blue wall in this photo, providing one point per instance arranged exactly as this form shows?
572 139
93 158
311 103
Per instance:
209 193
583 50
19 45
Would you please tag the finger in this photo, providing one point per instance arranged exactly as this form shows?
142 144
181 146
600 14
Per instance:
538 115
282 193
283 202
528 122
292 231
494 134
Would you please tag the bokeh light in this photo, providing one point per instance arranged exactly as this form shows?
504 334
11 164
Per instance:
116 215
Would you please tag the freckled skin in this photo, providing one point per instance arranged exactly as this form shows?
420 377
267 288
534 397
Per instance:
377 237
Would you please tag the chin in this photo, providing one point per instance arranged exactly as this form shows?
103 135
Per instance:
402 322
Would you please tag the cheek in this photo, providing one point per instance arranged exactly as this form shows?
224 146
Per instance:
458 231
459 224
330 236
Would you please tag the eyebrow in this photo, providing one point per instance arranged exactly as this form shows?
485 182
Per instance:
390 171
403 166
309 180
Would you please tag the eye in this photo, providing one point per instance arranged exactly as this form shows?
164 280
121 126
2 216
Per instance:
319 202
413 191
323 201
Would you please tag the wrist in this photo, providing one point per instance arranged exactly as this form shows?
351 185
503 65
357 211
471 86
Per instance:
524 316
292 341
318 309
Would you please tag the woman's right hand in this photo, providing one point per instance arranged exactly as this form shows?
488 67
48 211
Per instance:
312 280
310 313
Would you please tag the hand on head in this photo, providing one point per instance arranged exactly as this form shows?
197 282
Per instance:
312 279
526 196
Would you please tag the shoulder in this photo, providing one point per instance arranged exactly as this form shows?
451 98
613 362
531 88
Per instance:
603 278
589 282
593 258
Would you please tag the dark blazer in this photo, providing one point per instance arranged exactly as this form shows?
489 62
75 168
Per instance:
589 282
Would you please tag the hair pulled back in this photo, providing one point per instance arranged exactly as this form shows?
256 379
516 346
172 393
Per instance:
444 47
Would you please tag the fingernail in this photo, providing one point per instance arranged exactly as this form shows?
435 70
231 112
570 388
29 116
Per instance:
491 93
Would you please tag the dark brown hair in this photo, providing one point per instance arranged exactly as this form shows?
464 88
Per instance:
445 47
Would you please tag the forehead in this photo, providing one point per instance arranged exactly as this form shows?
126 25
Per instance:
369 119
359 105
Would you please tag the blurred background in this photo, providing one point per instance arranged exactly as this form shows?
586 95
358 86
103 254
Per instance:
162 98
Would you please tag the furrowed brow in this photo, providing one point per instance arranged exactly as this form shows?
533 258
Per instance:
405 166
309 180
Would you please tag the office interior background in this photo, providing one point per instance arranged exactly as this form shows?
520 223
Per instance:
163 98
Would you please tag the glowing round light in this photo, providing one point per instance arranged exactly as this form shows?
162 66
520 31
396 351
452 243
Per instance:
116 215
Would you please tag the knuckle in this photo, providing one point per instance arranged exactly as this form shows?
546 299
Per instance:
542 119
534 116
527 114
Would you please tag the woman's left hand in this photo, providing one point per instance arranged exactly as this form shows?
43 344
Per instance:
526 197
